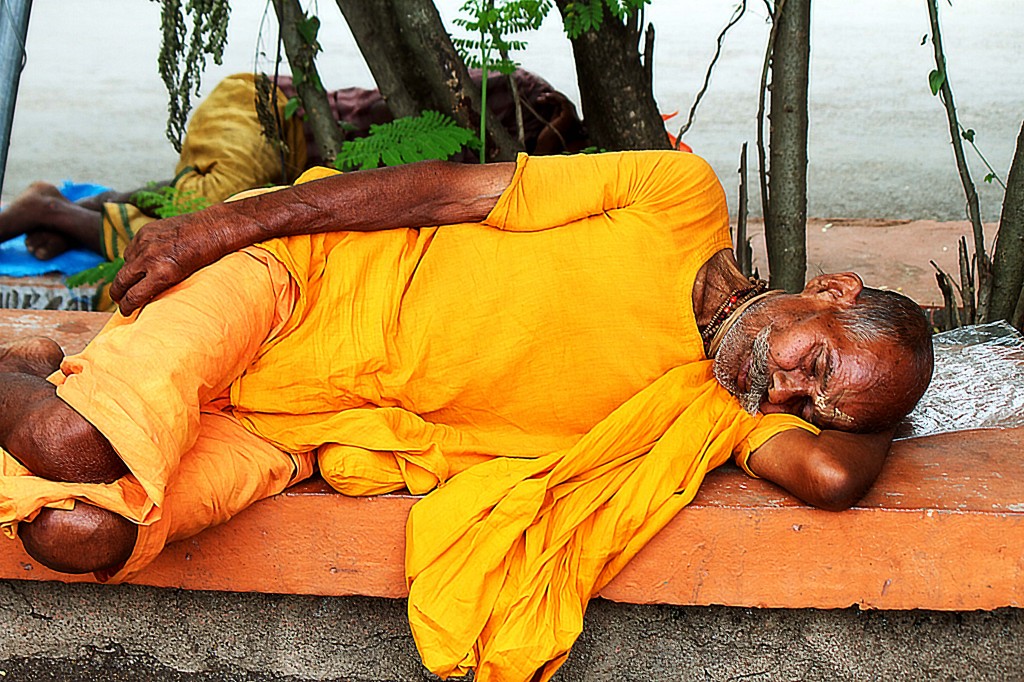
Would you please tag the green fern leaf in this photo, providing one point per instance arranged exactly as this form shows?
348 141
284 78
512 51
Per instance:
430 135
588 15
167 201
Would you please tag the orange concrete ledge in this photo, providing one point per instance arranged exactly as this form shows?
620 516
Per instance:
942 529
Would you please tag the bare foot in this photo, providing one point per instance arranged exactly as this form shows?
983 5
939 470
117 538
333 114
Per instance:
42 208
46 244
38 356
31 210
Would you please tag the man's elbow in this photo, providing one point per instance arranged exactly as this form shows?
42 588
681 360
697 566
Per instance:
836 486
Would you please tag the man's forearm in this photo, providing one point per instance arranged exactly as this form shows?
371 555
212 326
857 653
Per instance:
418 195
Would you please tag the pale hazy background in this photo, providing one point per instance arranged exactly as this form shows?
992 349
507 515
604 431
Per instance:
92 107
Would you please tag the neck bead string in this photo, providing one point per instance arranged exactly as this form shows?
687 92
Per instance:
734 300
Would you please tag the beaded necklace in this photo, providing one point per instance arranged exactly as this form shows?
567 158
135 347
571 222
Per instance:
734 300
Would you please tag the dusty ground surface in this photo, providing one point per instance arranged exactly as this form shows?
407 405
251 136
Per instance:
887 254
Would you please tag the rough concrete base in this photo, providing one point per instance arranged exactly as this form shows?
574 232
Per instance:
65 632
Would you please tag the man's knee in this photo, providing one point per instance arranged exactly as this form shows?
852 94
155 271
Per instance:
55 442
77 451
81 540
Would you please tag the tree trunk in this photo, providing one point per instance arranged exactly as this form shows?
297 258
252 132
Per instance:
416 67
1008 258
307 80
616 92
785 217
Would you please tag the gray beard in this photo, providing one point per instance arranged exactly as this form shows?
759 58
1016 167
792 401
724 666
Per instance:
757 375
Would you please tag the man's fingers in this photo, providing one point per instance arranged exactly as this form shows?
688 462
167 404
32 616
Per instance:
138 287
139 294
125 279
129 303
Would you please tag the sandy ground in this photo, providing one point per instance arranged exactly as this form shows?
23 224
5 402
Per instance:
887 254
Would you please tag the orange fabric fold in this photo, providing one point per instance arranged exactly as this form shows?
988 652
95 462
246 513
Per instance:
152 383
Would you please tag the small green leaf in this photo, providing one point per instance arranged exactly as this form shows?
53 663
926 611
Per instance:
990 177
308 29
968 134
103 273
935 80
291 106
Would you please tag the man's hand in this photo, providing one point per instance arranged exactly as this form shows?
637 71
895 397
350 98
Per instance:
831 470
162 254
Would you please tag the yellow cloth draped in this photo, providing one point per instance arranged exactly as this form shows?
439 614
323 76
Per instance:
224 152
508 338
502 560
503 557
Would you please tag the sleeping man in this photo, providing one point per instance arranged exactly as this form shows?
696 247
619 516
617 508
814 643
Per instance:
559 348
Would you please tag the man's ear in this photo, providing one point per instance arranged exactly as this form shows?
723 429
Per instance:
842 288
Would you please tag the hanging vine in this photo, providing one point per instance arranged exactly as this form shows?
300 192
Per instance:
183 53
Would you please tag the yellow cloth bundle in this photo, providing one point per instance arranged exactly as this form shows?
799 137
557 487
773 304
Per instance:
224 152
502 560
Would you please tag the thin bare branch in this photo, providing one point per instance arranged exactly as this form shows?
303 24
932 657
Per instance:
945 283
743 251
973 209
761 156
517 102
736 16
967 272
991 170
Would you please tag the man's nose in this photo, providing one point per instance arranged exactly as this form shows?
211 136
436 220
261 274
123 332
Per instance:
787 385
